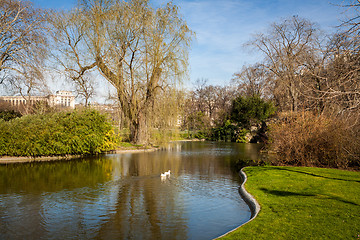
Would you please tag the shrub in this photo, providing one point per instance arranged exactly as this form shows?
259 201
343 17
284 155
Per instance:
77 132
305 139
241 136
226 132
247 111
7 115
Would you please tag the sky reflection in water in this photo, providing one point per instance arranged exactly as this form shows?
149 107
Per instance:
121 196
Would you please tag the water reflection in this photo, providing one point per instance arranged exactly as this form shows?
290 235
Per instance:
121 196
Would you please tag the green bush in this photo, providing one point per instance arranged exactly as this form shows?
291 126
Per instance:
229 132
225 132
7 115
200 135
241 136
77 132
250 110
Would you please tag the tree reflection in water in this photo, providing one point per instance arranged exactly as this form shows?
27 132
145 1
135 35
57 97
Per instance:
121 196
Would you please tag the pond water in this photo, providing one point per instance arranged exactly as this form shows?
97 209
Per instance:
122 196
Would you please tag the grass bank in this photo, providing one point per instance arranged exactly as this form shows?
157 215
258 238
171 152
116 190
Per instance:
302 203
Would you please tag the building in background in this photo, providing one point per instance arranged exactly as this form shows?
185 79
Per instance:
60 99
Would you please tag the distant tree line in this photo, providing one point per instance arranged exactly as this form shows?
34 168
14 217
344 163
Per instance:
223 113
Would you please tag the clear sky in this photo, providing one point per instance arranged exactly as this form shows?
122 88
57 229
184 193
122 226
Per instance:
223 26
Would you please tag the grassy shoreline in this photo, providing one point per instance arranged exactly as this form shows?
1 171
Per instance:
302 203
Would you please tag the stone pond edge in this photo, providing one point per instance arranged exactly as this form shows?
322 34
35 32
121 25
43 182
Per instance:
11 159
250 201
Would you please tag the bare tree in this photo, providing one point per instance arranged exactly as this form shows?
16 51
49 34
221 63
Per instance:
253 80
352 17
341 89
287 47
204 98
223 102
343 69
23 47
208 103
71 53
138 49
85 87
210 100
330 81
199 93
22 40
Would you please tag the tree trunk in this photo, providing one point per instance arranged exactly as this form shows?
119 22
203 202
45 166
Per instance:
139 134
294 97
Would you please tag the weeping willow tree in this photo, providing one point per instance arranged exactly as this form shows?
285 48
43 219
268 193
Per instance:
169 109
138 49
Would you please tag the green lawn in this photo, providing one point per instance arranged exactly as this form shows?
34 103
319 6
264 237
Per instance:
302 203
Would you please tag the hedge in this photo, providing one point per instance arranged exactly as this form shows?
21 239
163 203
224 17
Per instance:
75 133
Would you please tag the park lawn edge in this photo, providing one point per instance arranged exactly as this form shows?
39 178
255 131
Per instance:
250 201
302 203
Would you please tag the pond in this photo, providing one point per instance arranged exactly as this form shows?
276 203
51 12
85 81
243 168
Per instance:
122 196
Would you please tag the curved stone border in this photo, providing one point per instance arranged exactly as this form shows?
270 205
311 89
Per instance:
248 198
250 201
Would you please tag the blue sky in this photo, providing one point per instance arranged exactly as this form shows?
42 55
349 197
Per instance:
223 26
